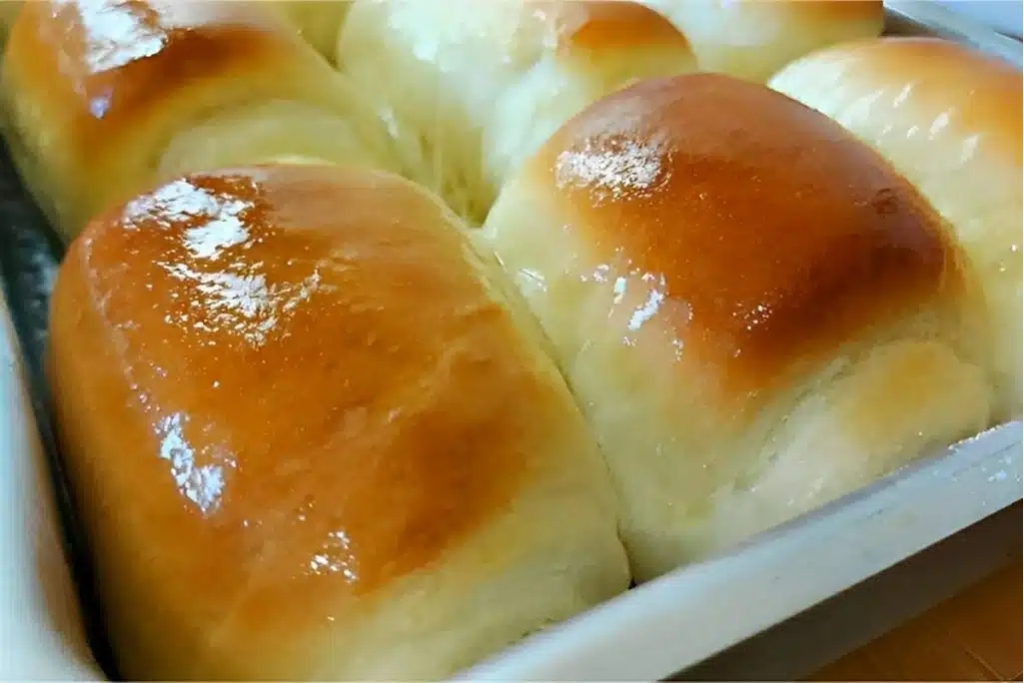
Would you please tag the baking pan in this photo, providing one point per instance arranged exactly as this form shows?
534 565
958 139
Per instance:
1006 16
778 606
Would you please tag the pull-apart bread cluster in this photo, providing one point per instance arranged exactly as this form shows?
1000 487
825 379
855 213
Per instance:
392 331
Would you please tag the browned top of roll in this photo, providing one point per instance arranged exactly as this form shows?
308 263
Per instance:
770 232
829 10
102 63
980 93
608 24
299 369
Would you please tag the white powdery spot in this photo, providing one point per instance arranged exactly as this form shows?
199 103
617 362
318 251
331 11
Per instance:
202 484
241 303
221 216
116 34
334 557
614 168
617 155
651 304
209 241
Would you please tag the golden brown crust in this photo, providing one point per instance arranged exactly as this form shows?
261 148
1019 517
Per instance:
835 10
116 60
774 236
609 24
949 118
298 368
94 92
979 93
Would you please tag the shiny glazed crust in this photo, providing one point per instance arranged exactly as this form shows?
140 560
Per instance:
306 434
949 119
314 430
474 87
780 245
739 302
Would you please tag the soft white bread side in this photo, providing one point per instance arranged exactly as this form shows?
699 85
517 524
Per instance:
476 86
756 313
752 39
96 92
310 441
318 21
949 119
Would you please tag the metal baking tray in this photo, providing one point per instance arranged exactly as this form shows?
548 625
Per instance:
776 607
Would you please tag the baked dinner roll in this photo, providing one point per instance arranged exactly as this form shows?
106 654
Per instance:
102 96
949 119
357 463
752 39
475 86
756 313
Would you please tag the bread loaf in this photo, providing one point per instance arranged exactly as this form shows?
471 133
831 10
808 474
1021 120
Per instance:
317 428
101 98
475 86
949 119
756 313
311 441
752 39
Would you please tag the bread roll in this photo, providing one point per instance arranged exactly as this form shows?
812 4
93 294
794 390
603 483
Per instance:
949 119
102 96
756 313
356 462
752 39
476 86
